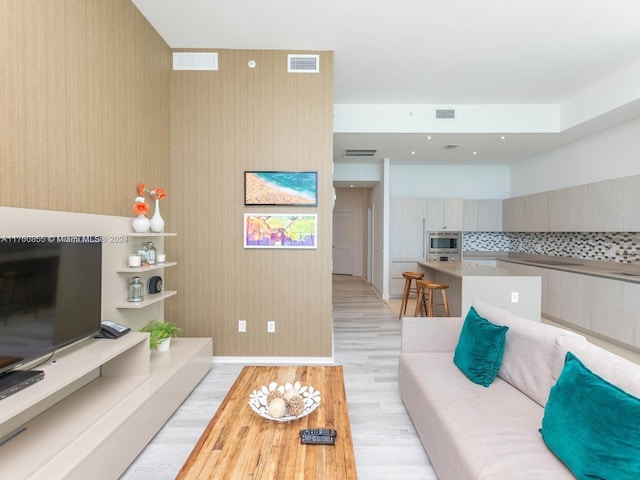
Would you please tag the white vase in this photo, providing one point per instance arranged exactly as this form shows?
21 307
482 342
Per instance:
157 223
164 345
140 224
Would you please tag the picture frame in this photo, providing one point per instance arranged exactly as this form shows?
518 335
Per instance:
293 189
280 231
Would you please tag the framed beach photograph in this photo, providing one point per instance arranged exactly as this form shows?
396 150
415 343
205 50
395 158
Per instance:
265 230
281 188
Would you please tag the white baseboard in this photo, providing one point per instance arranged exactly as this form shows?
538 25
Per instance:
276 360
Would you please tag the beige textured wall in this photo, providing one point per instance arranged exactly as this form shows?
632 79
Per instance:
224 123
84 105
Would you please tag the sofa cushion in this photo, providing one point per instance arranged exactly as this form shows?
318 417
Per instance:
614 369
472 432
479 351
531 361
592 425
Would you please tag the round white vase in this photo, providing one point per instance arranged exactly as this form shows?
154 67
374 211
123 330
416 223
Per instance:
140 224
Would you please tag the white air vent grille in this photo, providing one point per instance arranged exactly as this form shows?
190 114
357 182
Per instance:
445 114
360 152
195 60
299 63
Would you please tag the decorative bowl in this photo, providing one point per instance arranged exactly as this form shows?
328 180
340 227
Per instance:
310 396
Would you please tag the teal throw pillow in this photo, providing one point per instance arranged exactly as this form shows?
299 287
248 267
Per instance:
480 348
592 426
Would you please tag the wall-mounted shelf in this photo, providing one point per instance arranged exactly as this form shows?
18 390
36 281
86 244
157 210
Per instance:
149 299
156 266
152 234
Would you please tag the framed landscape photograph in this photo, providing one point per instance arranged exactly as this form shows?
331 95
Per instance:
281 188
280 231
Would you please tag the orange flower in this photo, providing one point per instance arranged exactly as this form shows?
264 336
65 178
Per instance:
141 189
141 208
158 193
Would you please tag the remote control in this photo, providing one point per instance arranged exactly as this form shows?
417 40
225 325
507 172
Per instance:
319 431
318 439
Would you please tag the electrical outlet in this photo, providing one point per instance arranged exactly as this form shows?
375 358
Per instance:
271 326
242 326
514 297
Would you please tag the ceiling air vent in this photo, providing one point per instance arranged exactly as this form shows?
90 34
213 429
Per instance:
445 114
451 146
360 152
299 63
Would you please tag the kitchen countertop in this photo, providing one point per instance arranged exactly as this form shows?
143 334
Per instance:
598 268
466 269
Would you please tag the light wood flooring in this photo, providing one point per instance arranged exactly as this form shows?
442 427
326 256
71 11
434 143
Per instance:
367 345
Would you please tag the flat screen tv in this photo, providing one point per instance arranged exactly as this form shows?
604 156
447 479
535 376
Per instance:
50 296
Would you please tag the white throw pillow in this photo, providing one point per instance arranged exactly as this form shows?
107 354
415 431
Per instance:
531 362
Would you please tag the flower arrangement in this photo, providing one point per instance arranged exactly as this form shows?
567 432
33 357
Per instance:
140 206
156 193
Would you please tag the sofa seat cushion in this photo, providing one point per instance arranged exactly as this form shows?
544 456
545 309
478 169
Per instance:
470 431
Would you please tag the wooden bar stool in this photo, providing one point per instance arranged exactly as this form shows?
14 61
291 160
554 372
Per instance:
431 287
422 306
408 278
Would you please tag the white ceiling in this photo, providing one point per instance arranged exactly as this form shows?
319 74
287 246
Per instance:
453 52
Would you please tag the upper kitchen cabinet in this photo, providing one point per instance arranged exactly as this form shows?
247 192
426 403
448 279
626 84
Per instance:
607 206
569 209
407 217
613 205
482 215
527 213
444 214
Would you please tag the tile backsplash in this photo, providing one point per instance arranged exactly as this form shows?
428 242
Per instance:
620 247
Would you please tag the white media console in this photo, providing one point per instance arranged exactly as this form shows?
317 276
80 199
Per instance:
98 405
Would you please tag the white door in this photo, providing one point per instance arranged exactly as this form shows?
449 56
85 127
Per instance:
342 249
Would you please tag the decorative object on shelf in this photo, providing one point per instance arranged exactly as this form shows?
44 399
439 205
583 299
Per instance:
156 222
160 334
284 403
155 284
135 290
151 253
161 257
141 223
134 260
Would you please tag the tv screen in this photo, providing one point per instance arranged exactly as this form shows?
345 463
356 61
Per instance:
50 295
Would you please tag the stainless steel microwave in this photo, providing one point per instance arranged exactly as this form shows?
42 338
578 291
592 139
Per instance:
444 243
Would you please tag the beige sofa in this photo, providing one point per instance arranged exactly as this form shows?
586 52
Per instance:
474 432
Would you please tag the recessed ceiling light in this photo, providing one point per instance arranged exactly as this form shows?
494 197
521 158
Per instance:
351 185
428 137
475 153
502 137
413 152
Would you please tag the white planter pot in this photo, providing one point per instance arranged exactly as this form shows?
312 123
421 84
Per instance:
164 346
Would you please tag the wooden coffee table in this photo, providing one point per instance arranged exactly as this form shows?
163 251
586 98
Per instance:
239 443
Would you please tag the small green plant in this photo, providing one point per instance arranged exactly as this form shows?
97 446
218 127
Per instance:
160 331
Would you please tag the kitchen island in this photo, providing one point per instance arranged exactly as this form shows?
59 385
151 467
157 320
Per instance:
468 281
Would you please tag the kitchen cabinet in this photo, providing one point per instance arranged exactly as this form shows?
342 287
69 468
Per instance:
606 307
407 228
483 215
444 214
527 213
607 206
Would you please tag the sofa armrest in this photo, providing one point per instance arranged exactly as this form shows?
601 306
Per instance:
430 334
